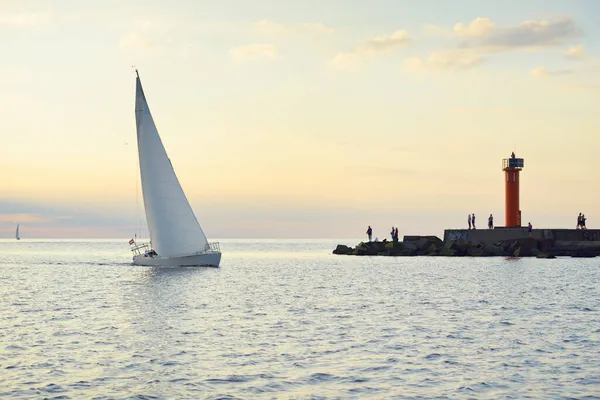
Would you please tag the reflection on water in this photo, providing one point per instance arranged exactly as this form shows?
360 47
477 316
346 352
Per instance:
289 320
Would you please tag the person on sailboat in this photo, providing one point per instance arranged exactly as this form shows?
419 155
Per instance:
150 253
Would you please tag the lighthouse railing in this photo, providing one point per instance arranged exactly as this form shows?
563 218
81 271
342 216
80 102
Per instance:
515 163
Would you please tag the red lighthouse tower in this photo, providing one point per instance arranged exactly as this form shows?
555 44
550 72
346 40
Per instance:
511 167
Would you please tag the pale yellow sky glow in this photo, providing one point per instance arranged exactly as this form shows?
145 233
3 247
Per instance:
289 121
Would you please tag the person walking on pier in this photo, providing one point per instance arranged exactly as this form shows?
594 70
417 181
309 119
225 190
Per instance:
370 233
491 222
578 221
473 221
469 220
583 221
529 228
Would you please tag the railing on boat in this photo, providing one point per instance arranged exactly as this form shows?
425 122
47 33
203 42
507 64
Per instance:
139 249
213 247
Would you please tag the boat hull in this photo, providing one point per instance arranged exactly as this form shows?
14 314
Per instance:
211 259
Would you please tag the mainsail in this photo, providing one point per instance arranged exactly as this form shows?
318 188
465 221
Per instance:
173 227
17 233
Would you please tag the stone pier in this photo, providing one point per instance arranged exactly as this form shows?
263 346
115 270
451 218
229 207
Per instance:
491 236
510 242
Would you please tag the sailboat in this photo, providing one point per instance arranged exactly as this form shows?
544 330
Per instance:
176 238
17 233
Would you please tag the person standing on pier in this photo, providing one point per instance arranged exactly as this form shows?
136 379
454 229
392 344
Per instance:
370 233
583 221
473 221
491 222
469 220
529 228
578 221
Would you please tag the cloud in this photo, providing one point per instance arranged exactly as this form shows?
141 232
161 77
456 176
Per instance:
253 51
135 41
159 37
479 27
482 36
541 72
386 42
444 60
346 61
575 52
371 48
485 35
11 219
47 220
272 28
144 36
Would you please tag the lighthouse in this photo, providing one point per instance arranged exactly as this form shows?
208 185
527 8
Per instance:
511 167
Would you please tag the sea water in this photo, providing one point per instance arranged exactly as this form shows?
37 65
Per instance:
287 319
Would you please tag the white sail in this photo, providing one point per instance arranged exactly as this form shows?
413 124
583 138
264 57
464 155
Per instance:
173 227
17 233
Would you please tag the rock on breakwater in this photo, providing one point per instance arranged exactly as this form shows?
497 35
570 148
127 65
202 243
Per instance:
434 246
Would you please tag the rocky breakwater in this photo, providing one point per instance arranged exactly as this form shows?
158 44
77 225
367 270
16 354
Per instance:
434 246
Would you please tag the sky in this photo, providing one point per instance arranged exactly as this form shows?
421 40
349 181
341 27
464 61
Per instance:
289 119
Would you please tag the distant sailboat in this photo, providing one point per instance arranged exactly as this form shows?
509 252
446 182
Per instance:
17 233
176 238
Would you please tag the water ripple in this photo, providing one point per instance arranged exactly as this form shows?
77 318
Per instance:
288 320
